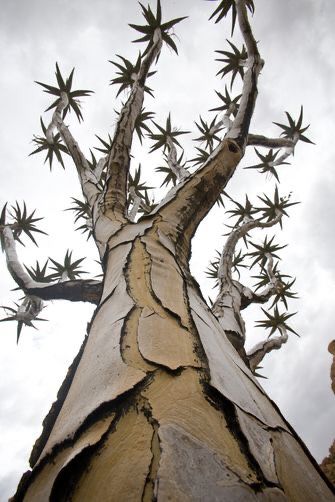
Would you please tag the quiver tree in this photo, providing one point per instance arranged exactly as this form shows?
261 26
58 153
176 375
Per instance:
161 402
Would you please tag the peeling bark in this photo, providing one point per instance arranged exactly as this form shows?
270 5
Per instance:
159 405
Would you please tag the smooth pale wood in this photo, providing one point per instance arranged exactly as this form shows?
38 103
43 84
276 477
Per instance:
130 352
166 280
234 385
101 376
116 262
118 471
41 487
298 477
129 233
180 401
163 341
260 444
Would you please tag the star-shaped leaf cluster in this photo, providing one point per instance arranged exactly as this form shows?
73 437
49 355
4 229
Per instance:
208 132
228 103
276 321
52 149
264 279
23 316
161 138
23 222
106 145
140 123
170 176
82 210
294 129
262 250
242 212
267 163
232 60
127 74
39 273
225 6
152 23
272 207
201 157
213 268
72 96
137 183
283 292
68 269
147 204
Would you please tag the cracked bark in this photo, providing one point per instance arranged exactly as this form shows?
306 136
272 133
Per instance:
159 405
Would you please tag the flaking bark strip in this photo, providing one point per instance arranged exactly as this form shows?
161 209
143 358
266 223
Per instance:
225 406
51 417
129 348
67 478
120 405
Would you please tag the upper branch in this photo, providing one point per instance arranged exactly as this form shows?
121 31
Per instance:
87 178
226 261
259 140
240 127
115 196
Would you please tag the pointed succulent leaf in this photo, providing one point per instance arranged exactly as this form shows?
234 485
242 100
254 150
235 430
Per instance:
161 138
24 222
276 321
294 130
234 61
262 250
66 86
225 6
208 132
68 269
54 148
227 103
152 23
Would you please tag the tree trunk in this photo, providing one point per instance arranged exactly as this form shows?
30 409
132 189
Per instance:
158 405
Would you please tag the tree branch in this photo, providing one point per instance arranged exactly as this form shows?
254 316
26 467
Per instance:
115 195
172 161
240 127
87 177
78 290
259 140
259 351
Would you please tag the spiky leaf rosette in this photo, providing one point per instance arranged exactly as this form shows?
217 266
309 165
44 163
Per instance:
228 103
266 166
127 74
208 132
147 204
24 222
106 145
283 292
264 249
170 176
82 210
233 62
72 96
137 183
53 149
23 316
161 138
294 130
264 279
225 6
140 123
201 157
2 224
213 268
242 212
152 23
68 269
277 205
39 273
276 321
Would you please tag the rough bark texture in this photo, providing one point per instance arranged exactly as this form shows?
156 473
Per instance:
159 405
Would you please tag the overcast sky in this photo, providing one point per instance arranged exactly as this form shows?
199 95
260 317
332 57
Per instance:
296 41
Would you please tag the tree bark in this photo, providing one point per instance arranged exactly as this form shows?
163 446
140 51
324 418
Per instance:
158 405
